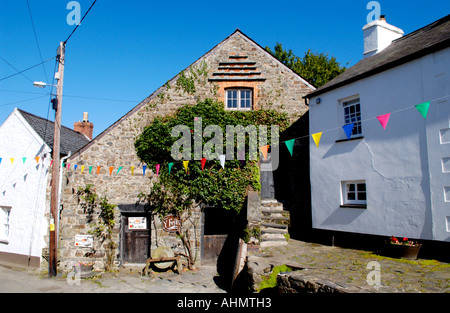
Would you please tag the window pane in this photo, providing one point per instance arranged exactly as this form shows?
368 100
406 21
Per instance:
351 196
350 187
361 196
361 187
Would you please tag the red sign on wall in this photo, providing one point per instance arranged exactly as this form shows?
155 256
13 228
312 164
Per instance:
171 223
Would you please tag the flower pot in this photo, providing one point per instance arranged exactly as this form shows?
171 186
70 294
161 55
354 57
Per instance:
402 251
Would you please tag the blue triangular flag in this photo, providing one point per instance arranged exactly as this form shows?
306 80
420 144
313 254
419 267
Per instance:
144 168
348 129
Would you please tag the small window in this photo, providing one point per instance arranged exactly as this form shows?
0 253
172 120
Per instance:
239 99
352 114
4 223
354 193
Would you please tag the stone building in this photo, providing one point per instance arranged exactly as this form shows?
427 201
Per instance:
236 71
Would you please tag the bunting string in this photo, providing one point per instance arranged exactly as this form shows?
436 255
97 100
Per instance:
383 119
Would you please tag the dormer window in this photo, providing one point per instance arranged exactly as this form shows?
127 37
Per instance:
238 99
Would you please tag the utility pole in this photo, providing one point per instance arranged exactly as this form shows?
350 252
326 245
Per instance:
54 209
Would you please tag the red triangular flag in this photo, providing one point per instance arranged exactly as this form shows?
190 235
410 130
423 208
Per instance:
98 169
203 163
383 119
110 170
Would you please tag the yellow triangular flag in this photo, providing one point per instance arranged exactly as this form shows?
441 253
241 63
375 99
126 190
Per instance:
185 163
82 169
316 138
12 160
264 150
132 171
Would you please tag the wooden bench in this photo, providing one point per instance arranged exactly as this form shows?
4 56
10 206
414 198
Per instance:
149 261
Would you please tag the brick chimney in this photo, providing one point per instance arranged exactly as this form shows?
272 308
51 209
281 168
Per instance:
85 126
378 35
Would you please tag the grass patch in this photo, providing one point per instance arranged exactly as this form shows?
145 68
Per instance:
271 280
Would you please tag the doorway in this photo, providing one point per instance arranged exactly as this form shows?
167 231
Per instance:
217 224
135 236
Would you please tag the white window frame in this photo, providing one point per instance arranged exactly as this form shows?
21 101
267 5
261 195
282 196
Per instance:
352 117
239 99
5 217
354 187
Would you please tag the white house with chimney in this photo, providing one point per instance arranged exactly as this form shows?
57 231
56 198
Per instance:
26 143
380 137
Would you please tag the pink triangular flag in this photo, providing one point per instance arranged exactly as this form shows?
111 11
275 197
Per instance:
383 119
157 168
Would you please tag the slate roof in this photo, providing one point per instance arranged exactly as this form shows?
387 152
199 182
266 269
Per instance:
70 140
428 39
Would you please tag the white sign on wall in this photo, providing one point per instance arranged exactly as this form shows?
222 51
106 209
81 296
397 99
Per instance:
137 223
84 241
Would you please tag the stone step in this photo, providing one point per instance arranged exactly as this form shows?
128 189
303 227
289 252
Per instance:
271 230
265 244
272 237
273 225
268 201
274 209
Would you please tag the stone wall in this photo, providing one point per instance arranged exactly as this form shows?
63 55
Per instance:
277 87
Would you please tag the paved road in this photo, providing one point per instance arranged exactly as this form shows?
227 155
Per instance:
15 280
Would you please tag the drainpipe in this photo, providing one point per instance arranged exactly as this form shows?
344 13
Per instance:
59 193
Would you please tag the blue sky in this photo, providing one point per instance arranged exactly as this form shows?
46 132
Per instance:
125 50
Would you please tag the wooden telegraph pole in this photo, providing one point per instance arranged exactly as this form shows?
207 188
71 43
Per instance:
54 210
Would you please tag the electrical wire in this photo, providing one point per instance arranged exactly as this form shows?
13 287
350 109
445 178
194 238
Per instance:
22 71
37 41
80 22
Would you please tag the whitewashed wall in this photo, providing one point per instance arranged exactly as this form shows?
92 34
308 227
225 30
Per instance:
23 186
406 166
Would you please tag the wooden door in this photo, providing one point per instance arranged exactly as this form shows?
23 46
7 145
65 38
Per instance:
217 223
135 239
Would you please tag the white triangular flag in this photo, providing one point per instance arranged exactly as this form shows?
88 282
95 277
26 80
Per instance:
222 160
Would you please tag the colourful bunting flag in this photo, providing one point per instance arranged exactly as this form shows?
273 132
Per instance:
143 169
170 167
132 171
51 162
110 170
24 159
185 164
90 169
316 137
0 160
222 160
119 170
348 129
290 145
68 165
98 169
203 163
12 160
157 166
383 119
82 169
264 150
37 159
75 167
423 108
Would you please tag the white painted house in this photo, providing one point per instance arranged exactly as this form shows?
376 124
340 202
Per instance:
26 143
393 180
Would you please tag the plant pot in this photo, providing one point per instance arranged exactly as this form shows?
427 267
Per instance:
402 251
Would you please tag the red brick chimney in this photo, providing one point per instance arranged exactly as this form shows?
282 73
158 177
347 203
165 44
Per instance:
85 126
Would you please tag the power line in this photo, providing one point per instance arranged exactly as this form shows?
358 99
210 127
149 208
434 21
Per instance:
80 22
37 42
20 72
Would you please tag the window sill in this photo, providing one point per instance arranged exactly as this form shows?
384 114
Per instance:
5 241
354 206
354 138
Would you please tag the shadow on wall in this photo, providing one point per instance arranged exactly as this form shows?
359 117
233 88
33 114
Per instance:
292 181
